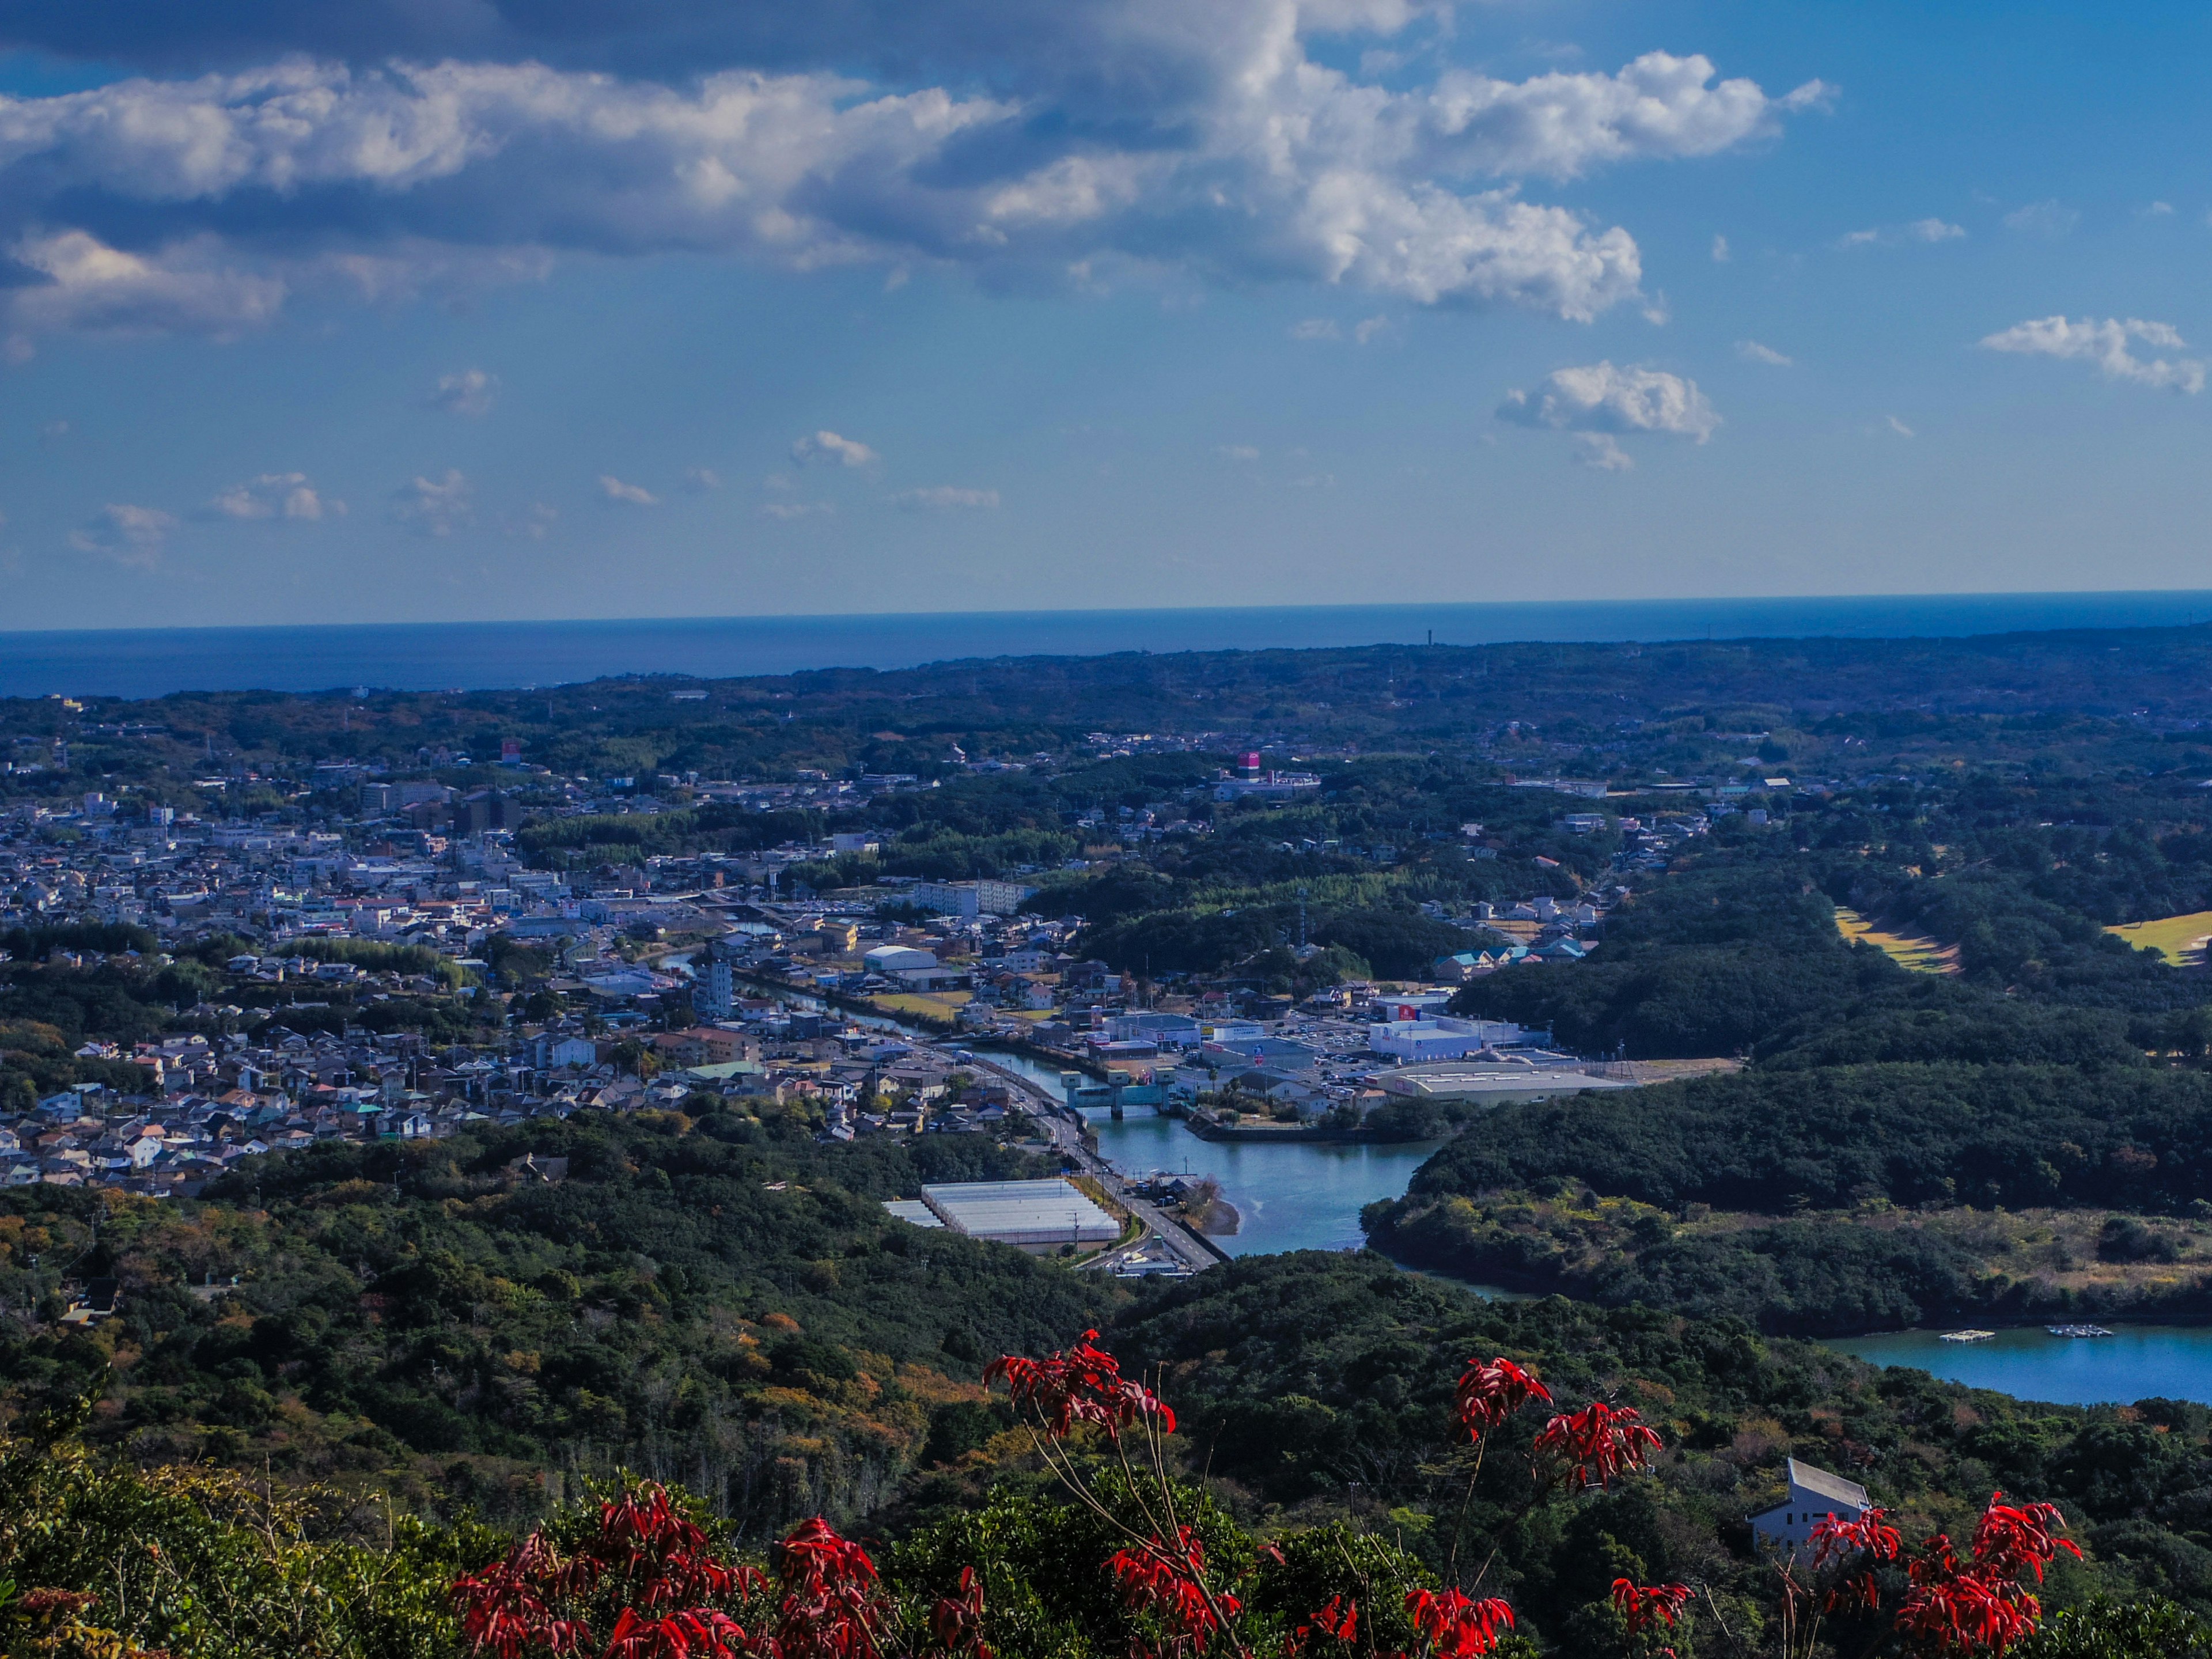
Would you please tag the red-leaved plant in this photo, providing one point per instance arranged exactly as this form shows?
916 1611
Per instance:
650 1574
1953 1604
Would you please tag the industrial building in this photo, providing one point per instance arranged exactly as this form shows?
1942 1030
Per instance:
1491 1085
1037 1216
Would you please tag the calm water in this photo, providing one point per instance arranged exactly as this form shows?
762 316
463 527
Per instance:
432 656
1298 1196
2137 1362
1294 1197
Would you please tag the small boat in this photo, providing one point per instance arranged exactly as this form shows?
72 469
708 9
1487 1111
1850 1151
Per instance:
1966 1336
2077 1330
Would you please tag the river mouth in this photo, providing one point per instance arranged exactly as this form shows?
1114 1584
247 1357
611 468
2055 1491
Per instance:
2135 1362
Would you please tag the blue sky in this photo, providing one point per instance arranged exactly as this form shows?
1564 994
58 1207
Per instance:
389 313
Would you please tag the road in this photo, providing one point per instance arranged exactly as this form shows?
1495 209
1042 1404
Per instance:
1185 1244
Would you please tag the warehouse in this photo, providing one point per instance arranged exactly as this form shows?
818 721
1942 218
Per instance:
1037 1216
1491 1085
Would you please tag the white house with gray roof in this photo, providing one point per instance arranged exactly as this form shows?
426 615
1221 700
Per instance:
1814 1495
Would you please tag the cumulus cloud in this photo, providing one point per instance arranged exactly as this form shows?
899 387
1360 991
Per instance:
436 507
1600 398
630 494
469 392
789 510
701 479
1314 328
943 496
1720 250
276 494
1237 452
2052 218
1754 352
831 450
395 154
131 536
2105 343
1934 230
1367 328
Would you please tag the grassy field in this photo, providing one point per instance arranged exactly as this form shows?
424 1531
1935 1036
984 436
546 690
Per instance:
2179 940
941 1005
1921 955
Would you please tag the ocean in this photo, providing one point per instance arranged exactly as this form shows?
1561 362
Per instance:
476 656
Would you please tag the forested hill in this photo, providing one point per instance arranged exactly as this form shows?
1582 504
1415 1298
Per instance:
2130 695
724 1299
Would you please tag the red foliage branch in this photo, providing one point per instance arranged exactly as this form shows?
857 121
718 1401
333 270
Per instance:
1455 1626
1974 1603
832 1607
1489 1394
1083 1384
1593 1445
1642 1605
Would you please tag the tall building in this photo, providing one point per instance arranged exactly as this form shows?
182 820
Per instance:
715 994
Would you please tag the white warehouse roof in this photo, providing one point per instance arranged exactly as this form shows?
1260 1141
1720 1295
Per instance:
1033 1214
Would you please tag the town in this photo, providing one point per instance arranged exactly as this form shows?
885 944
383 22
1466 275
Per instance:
645 986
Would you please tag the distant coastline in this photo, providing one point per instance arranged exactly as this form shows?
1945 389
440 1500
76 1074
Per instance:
492 655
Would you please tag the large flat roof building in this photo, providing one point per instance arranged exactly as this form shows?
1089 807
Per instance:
1034 1215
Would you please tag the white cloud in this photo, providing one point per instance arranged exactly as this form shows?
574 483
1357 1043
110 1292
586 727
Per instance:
436 507
828 447
938 496
634 495
701 479
2106 344
273 494
1314 328
1315 481
1898 427
1237 452
420 165
1601 399
789 510
2052 218
1369 327
189 286
1602 452
1563 126
469 392
2158 210
1919 230
1720 250
1757 353
131 536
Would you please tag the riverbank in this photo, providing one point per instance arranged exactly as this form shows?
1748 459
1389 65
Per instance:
1828 1275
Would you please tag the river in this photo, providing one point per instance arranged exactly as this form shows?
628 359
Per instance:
2137 1362
1308 1195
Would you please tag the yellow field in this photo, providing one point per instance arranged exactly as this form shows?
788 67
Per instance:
2179 940
940 1004
1921 955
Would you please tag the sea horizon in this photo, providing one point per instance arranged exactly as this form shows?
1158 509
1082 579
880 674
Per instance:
496 655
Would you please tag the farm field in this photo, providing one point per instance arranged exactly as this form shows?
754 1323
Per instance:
2179 940
1920 954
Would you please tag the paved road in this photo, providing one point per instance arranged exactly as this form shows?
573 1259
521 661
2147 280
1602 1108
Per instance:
1066 1136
